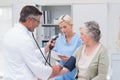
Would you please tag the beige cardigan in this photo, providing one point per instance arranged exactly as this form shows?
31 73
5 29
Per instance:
98 67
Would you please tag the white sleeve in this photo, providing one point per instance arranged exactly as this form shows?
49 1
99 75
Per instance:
40 55
32 61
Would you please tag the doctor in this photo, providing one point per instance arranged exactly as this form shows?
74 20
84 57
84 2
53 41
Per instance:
23 61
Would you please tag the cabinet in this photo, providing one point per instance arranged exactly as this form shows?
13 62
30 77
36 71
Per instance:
49 22
115 66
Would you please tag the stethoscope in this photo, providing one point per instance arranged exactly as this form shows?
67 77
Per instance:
49 55
47 60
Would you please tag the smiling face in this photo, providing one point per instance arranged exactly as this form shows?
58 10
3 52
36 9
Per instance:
65 24
65 28
33 22
36 21
84 35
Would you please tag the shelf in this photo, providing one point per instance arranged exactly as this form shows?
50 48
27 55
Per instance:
115 57
49 25
45 40
49 21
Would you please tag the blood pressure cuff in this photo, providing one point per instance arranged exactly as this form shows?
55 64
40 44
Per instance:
70 64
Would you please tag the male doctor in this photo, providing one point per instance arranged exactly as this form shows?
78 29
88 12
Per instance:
23 61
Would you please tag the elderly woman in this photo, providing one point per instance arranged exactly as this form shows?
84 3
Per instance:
66 44
90 59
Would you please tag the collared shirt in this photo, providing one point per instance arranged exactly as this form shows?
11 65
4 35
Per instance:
23 61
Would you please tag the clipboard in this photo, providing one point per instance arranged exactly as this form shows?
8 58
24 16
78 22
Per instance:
55 56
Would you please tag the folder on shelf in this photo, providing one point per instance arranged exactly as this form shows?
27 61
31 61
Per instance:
46 16
52 31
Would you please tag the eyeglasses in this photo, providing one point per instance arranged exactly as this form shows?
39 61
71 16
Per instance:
36 20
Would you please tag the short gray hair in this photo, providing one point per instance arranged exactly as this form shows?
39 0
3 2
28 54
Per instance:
27 11
93 29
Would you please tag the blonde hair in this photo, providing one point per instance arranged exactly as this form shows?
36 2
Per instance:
65 18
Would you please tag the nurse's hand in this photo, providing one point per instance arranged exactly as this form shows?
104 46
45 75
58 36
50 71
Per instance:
64 58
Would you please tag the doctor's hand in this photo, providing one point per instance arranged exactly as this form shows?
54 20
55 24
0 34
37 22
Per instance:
56 69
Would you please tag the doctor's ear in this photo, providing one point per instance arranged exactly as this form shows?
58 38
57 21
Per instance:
30 21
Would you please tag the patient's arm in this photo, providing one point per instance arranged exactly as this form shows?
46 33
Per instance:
63 71
68 66
64 58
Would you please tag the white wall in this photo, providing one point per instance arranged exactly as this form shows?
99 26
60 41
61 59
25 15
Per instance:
94 12
57 2
18 5
114 25
6 2
5 25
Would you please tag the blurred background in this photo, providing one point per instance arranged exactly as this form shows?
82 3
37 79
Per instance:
105 12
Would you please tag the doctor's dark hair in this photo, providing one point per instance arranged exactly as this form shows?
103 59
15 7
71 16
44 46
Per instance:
28 11
93 29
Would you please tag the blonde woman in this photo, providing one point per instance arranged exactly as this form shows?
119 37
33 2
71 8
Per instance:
66 44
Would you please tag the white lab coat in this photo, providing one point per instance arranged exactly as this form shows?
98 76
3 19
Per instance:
23 62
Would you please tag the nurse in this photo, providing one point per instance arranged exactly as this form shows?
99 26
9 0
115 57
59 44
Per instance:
66 44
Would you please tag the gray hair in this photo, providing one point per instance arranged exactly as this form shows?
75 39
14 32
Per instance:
27 11
93 29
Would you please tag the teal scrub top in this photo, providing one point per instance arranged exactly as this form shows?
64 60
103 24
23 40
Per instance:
67 49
